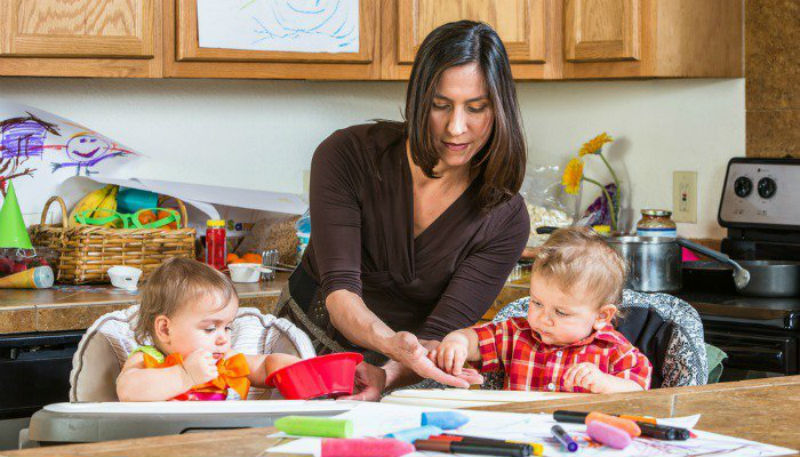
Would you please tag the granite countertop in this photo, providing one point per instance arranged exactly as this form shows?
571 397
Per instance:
66 307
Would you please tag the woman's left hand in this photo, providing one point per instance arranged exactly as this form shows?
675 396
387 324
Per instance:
411 353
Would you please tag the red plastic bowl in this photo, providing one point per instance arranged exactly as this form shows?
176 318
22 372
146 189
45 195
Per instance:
327 376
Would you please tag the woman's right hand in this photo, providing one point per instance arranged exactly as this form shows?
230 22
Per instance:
408 351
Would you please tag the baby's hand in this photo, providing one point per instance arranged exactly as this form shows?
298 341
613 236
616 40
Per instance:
449 356
586 375
201 366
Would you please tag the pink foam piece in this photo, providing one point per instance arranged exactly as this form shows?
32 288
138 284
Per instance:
688 256
609 435
365 447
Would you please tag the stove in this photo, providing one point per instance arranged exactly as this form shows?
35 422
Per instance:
760 209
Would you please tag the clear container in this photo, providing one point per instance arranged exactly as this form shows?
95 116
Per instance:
656 222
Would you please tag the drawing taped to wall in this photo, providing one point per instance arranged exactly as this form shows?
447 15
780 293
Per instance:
39 150
279 25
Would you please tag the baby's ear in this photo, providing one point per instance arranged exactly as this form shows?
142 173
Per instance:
161 328
604 316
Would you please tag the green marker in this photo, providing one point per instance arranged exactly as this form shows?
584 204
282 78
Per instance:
315 426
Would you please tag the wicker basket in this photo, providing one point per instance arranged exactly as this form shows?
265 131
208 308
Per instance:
87 251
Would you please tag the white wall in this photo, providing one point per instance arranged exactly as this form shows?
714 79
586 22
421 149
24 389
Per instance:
261 134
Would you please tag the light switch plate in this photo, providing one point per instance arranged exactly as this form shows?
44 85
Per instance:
306 181
684 196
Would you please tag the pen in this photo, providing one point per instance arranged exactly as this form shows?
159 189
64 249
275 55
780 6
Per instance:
503 450
564 438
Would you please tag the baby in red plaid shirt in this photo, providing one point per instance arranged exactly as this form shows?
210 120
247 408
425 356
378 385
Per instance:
567 343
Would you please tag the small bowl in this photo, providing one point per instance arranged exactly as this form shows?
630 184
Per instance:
327 376
124 277
246 272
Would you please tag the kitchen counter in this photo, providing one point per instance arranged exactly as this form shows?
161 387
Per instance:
76 307
763 410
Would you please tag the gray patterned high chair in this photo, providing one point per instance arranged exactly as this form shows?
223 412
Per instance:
665 328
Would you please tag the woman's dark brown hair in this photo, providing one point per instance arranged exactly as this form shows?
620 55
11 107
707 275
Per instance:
503 158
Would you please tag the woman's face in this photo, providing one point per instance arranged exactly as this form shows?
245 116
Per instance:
462 116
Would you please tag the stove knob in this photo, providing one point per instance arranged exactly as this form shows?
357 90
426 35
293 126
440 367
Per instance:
743 186
767 187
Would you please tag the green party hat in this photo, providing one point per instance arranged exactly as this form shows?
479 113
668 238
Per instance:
12 228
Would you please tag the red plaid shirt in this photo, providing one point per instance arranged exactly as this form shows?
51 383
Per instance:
530 364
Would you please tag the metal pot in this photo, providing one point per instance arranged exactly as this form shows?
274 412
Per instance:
768 278
654 263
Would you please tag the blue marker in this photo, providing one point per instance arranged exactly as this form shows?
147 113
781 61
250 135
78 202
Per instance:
564 438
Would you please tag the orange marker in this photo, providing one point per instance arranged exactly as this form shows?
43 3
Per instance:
645 419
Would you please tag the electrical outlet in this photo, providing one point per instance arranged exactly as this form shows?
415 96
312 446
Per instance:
306 181
684 196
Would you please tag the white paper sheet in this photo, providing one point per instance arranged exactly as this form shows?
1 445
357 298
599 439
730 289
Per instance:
213 201
279 25
377 419
460 398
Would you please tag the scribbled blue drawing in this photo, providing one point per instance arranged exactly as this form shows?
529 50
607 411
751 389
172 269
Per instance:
298 19
87 149
24 136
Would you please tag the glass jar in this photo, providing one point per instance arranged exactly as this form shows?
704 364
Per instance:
656 222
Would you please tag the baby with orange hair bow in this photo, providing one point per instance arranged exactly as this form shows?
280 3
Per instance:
187 311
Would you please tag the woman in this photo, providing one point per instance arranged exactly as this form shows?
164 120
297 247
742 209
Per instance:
416 225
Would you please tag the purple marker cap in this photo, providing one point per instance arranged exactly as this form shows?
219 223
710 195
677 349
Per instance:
564 438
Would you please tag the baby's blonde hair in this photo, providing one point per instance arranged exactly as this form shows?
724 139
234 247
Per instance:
174 284
579 257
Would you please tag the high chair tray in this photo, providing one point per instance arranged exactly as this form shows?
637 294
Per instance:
93 422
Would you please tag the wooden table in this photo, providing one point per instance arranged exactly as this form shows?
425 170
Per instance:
764 410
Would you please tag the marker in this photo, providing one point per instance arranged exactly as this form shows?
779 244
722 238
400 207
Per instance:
578 417
664 432
452 447
538 449
527 448
564 438
657 431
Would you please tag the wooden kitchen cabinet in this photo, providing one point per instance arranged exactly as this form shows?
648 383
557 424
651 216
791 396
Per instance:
545 40
527 28
653 38
103 38
186 59
583 39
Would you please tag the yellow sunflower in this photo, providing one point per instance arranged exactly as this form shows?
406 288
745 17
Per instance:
572 176
594 145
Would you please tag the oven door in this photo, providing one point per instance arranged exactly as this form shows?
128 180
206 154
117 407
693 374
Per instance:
754 356
34 371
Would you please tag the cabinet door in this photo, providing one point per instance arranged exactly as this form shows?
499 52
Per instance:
80 37
524 26
602 30
234 51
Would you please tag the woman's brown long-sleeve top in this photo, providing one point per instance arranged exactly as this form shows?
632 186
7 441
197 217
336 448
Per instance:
362 237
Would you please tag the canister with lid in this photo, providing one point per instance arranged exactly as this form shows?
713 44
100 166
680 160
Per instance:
656 222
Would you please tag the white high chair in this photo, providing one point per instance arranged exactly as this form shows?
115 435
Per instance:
95 413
